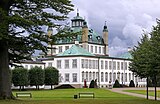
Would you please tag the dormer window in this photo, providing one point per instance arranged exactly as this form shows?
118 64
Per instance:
90 37
98 38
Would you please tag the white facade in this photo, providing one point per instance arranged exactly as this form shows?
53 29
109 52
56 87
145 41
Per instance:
91 68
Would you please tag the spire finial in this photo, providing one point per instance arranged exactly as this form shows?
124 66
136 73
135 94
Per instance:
105 24
105 27
77 12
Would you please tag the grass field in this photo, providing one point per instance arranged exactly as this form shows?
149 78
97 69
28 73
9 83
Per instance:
102 96
150 92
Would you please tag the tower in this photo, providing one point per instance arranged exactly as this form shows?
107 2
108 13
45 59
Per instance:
77 21
105 38
85 35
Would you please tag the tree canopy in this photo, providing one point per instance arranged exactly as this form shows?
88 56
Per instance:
146 56
21 31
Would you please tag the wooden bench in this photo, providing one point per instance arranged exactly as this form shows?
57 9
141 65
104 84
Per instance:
23 94
86 95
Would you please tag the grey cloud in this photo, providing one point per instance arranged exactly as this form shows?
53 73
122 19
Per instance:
126 19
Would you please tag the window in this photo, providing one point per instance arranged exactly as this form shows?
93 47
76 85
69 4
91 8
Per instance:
102 64
90 64
74 63
114 65
82 63
106 64
102 77
90 76
103 50
87 76
95 49
86 63
132 76
92 49
67 77
121 65
82 76
93 75
129 76
125 65
59 64
66 47
122 77
74 77
110 65
97 74
60 49
114 76
60 78
118 66
31 66
49 64
125 77
96 64
99 49
106 77
110 76
66 64
118 76
26 66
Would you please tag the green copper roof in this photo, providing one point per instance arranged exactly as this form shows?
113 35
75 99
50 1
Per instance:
126 55
94 37
75 50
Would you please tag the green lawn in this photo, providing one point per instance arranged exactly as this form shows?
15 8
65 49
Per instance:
150 92
102 96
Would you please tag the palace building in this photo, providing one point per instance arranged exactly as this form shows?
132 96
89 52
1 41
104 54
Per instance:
85 57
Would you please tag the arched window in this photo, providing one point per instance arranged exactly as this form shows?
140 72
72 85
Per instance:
106 77
110 76
90 76
118 76
93 75
114 76
102 77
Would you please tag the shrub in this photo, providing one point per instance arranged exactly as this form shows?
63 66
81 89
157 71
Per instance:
91 84
116 84
131 84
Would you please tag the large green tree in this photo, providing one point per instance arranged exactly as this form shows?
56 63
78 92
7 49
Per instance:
146 57
51 76
21 32
36 76
20 77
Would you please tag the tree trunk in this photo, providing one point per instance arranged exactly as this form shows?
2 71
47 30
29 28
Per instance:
155 85
147 87
51 87
5 83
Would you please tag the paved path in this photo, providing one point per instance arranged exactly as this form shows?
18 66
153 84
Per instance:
121 90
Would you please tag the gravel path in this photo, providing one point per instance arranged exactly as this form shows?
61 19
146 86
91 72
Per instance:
121 90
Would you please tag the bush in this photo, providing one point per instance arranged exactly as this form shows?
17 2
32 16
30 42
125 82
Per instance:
131 84
65 86
116 84
91 84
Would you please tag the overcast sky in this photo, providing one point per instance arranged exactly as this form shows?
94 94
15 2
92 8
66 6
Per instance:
126 19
